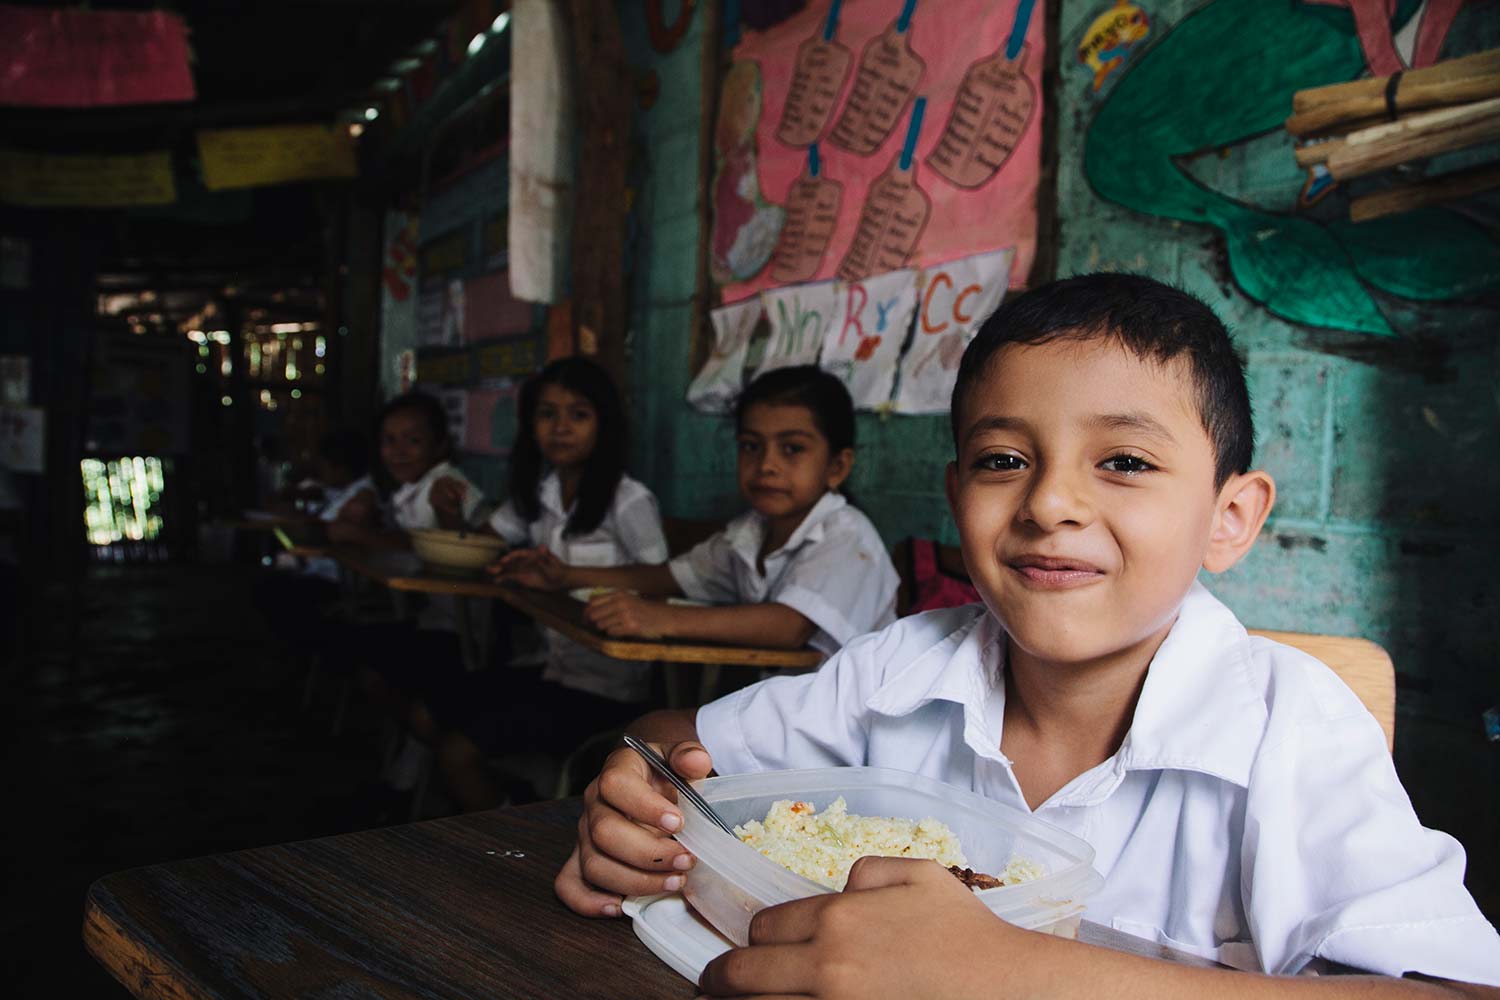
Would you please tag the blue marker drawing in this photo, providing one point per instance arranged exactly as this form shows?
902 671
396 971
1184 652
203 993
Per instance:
904 21
1018 29
831 25
918 109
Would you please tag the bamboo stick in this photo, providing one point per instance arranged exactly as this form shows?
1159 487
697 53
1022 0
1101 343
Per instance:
1447 187
1316 152
1426 134
1455 81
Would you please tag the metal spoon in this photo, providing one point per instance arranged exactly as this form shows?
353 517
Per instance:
660 764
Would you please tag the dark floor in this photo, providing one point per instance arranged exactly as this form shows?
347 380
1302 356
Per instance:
171 729
169 726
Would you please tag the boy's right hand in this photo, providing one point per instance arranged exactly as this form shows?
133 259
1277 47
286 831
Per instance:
625 845
536 568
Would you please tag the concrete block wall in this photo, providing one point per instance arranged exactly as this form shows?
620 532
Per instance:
1385 524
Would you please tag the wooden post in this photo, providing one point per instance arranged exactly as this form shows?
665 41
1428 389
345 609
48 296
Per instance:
603 97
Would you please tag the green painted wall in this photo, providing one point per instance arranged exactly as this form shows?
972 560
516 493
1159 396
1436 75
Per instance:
1385 525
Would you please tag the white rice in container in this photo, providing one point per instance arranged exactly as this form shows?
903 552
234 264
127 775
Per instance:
823 846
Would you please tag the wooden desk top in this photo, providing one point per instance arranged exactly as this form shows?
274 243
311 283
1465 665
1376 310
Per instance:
404 571
459 907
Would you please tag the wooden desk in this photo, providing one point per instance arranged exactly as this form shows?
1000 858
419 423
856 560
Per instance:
403 571
459 907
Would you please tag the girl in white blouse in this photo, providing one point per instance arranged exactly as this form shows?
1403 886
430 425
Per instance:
568 492
801 567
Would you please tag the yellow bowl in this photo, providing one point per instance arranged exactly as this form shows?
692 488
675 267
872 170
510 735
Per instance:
456 552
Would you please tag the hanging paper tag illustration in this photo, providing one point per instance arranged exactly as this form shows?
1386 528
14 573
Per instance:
888 75
812 213
821 68
895 213
994 105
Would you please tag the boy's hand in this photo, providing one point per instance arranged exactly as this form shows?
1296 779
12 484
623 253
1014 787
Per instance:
536 568
622 613
447 499
902 928
625 845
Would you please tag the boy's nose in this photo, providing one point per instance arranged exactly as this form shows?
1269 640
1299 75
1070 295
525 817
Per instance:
1056 499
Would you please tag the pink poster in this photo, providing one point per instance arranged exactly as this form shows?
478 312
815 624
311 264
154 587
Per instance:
77 58
865 136
491 310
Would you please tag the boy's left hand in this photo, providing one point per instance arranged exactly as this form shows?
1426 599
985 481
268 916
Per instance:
902 928
621 614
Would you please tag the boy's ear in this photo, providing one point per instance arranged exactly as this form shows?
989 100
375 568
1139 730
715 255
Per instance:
1245 502
839 467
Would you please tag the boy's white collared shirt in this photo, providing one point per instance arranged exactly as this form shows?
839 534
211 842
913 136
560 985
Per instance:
629 534
1252 813
834 570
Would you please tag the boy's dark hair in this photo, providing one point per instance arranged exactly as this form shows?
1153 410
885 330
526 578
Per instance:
425 406
1149 319
605 465
347 449
810 386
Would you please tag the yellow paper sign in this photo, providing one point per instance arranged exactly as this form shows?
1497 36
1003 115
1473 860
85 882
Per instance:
47 180
275 154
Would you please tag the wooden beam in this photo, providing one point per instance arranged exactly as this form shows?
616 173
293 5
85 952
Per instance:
604 99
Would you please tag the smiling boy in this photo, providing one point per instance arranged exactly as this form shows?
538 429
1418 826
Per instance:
1240 800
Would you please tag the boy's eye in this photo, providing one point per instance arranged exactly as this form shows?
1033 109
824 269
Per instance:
999 461
748 447
791 449
1126 464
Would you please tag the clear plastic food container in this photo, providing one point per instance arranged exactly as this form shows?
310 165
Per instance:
732 881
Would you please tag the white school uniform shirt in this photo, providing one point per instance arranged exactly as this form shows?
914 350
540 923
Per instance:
1251 815
629 534
411 509
834 570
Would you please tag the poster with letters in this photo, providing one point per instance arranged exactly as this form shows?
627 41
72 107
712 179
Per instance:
720 379
954 300
863 346
799 317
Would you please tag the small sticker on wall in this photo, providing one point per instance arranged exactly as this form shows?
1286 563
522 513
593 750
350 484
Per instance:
1111 39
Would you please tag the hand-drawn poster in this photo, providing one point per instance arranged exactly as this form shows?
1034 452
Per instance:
863 345
723 375
889 134
799 316
398 300
955 298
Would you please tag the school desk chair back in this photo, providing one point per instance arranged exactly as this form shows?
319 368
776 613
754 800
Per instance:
1360 663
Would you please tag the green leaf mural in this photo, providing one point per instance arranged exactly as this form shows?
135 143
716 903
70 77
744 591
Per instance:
1225 74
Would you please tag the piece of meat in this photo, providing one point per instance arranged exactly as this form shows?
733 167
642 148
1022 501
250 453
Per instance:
975 880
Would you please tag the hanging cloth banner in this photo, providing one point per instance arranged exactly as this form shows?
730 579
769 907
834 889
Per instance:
859 139
863 345
92 58
719 382
274 154
799 316
45 180
956 298
541 151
